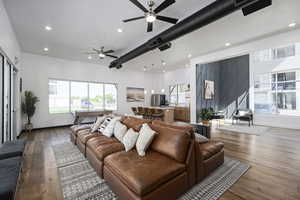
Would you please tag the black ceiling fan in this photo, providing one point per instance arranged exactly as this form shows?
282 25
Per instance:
151 14
102 53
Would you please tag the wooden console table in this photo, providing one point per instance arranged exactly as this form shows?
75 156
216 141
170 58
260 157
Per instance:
80 115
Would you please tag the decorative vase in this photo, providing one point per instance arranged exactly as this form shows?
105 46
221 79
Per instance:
29 127
205 122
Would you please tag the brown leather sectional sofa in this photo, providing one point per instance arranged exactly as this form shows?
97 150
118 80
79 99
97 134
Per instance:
175 161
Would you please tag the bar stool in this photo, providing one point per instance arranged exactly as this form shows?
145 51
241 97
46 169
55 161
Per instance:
158 114
134 110
147 114
151 113
141 110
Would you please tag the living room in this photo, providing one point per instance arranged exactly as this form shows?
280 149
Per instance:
89 110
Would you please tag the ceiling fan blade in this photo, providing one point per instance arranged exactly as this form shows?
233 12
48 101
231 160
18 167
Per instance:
90 53
167 19
132 19
98 51
138 4
164 5
111 56
150 27
109 51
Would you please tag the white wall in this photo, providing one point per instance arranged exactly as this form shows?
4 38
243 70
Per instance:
179 76
10 47
36 70
8 40
270 42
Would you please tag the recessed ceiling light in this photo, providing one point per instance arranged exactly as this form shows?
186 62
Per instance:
227 44
90 57
120 30
48 28
291 25
162 90
46 49
190 55
163 63
164 71
145 69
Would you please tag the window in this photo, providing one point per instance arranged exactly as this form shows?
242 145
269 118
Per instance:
179 94
58 96
79 96
284 52
110 97
96 96
173 94
277 93
70 96
276 53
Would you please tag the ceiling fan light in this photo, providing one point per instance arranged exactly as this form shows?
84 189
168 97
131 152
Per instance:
101 55
150 18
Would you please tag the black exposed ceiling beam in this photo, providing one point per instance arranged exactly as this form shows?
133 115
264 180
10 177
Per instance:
205 16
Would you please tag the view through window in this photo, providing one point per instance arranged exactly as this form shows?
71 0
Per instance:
179 94
70 96
278 90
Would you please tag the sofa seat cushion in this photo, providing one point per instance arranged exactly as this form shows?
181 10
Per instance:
95 142
104 150
9 173
143 174
84 137
210 148
12 149
76 128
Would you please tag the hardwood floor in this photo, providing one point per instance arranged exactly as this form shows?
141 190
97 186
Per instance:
274 158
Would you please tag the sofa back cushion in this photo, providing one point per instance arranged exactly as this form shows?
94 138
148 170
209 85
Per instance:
134 123
187 128
171 142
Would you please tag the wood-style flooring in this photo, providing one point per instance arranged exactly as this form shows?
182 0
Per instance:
274 158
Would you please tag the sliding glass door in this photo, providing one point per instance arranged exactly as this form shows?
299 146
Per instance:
1 99
6 100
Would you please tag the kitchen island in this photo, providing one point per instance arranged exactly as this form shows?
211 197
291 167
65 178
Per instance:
168 113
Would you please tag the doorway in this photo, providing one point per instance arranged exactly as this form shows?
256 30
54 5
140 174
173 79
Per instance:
7 100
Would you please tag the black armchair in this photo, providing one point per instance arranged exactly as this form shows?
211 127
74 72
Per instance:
243 115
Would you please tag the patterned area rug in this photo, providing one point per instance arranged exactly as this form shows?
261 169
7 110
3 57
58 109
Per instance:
67 154
79 181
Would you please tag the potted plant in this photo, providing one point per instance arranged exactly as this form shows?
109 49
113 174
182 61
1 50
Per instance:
206 115
29 107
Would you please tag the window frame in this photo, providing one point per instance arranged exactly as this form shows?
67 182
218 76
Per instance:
176 88
276 91
88 83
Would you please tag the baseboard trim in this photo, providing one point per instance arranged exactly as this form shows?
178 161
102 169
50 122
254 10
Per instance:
59 126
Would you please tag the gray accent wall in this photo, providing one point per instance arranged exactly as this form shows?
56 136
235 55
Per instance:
231 84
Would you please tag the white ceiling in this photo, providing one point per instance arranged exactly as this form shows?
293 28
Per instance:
79 25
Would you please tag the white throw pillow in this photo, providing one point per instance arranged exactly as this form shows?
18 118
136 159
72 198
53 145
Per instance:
109 129
105 123
120 130
144 140
129 139
98 123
